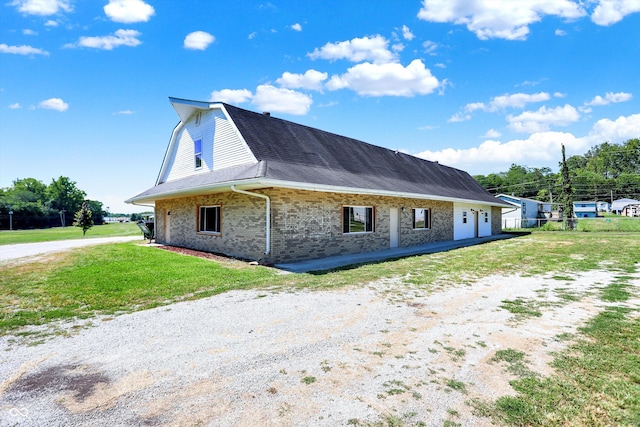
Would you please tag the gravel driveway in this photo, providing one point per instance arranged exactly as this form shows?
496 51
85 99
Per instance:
30 250
291 358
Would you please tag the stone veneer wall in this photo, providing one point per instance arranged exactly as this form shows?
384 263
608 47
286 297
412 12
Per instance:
496 220
242 224
304 224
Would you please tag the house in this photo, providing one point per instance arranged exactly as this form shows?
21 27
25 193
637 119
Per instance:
604 206
618 205
632 210
523 212
585 209
253 186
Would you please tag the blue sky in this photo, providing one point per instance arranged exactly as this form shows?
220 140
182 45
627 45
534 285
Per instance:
474 84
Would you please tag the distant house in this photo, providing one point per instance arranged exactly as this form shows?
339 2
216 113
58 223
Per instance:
253 186
523 212
632 210
617 207
585 209
604 206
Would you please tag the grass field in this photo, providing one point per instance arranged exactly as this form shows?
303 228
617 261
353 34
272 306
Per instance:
610 223
66 233
596 380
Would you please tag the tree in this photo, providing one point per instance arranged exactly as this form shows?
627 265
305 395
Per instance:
567 192
64 196
96 208
83 218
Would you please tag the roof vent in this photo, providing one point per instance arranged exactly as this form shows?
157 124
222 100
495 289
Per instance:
266 113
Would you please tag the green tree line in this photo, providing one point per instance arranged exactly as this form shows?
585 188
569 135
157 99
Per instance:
605 172
37 205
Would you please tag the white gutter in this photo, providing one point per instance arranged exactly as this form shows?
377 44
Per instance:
268 214
264 183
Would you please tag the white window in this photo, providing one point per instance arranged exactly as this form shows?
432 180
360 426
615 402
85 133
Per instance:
357 219
209 219
198 117
421 218
486 216
197 150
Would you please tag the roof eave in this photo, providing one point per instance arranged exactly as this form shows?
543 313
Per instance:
253 184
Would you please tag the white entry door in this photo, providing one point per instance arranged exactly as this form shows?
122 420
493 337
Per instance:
393 227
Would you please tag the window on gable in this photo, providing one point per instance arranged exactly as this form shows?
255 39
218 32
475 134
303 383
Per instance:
421 218
209 219
198 118
197 149
357 219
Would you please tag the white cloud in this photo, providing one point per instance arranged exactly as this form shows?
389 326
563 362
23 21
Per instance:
51 23
560 33
407 34
281 100
252 36
311 80
609 98
42 7
542 119
357 50
15 106
505 19
54 104
615 131
390 79
231 96
516 100
129 11
492 133
608 12
28 32
538 150
296 27
198 40
559 94
124 113
22 50
121 38
459 117
430 47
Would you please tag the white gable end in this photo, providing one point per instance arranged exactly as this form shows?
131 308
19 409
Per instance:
220 145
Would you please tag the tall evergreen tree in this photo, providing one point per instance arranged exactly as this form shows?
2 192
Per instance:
567 193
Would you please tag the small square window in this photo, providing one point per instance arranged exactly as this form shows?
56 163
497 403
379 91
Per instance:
486 217
421 219
197 149
464 217
357 219
209 219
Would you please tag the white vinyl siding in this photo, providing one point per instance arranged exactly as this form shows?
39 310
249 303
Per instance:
222 146
229 149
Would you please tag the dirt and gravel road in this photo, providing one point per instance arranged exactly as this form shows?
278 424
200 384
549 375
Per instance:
292 358
28 251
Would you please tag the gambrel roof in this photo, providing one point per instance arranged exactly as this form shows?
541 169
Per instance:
292 155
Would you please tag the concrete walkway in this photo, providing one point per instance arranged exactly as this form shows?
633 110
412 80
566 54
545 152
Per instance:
24 250
339 261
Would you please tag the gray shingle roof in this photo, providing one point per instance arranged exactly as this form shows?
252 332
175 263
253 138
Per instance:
292 152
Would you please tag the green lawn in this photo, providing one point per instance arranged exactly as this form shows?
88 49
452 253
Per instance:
66 233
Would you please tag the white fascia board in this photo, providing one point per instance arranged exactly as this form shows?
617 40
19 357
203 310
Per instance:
257 183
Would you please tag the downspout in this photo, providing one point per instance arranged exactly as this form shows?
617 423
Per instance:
268 218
